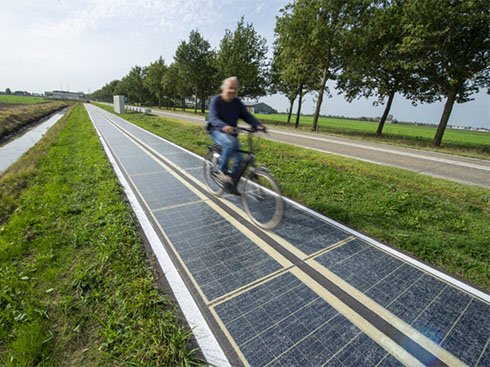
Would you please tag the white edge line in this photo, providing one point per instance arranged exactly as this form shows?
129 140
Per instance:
208 343
428 269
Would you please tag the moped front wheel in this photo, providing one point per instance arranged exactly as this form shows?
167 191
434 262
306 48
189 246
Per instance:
210 170
262 199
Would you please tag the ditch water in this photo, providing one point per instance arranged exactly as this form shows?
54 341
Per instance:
15 148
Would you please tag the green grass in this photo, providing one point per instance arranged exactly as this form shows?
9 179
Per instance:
464 142
440 222
8 98
75 286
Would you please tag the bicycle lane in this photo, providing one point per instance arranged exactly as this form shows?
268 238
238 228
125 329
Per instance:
312 292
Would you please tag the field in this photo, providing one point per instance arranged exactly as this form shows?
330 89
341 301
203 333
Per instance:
8 98
440 222
465 142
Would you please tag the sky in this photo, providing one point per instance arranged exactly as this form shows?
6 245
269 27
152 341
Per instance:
83 45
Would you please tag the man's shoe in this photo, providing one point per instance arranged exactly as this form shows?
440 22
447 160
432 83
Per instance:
224 177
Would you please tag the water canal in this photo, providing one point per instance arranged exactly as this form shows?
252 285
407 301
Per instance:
14 149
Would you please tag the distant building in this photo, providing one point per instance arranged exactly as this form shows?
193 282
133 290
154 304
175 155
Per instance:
259 108
21 93
64 94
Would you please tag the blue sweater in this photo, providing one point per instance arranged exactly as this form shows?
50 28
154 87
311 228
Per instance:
222 113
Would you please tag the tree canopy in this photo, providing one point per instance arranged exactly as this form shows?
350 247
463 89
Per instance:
242 53
449 46
153 79
195 60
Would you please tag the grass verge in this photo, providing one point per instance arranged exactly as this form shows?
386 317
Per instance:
75 288
14 119
438 221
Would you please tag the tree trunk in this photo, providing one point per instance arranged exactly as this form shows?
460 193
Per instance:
195 105
321 91
203 105
291 102
298 113
385 114
183 104
159 102
445 117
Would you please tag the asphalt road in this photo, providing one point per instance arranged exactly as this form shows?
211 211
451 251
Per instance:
450 167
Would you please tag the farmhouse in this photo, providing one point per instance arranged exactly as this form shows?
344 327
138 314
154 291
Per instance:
260 107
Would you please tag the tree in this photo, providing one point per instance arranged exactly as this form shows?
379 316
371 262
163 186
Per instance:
153 79
132 85
291 75
242 53
8 91
107 92
279 85
170 82
316 29
449 41
195 60
372 63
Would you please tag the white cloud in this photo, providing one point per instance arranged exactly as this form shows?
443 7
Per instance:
136 16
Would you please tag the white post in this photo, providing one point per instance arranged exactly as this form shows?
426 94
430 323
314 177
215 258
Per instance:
119 104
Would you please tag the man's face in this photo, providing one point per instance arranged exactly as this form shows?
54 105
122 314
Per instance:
229 91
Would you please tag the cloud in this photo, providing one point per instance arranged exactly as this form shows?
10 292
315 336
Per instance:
135 16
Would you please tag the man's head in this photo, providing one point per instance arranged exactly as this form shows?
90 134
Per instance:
229 88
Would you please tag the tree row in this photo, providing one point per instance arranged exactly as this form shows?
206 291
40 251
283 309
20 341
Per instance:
423 50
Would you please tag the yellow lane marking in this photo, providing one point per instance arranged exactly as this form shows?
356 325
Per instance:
382 312
261 281
387 343
358 320
329 248
396 322
147 174
247 287
176 206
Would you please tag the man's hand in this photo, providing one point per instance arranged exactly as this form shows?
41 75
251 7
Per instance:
228 129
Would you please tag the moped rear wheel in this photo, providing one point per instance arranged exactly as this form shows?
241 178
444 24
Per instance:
262 199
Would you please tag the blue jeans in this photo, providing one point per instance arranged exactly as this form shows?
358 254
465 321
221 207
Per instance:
229 149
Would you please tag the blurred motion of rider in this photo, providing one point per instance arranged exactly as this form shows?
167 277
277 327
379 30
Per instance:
224 111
